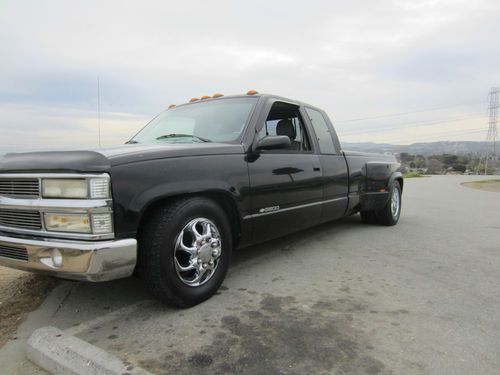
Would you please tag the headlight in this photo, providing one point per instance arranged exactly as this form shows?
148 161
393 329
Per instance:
76 188
79 223
69 188
76 223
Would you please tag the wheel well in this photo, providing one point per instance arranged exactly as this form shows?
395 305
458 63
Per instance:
226 202
400 180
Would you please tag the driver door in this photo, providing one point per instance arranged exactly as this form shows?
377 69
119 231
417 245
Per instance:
286 184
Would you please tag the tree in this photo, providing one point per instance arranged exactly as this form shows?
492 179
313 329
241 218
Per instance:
459 168
489 170
421 163
434 166
406 157
449 160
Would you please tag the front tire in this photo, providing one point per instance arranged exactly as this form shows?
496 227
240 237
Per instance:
185 251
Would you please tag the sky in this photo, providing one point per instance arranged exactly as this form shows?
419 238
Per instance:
399 71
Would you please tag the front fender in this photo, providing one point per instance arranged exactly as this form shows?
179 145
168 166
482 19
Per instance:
138 185
146 198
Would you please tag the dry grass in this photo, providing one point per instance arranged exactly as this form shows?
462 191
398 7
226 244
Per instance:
20 293
487 185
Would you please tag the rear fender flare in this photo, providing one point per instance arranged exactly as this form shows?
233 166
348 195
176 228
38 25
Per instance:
380 176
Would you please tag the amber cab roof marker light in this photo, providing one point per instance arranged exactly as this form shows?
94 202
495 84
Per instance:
205 97
252 92
171 106
217 95
193 100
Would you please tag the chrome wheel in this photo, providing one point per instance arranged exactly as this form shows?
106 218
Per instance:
395 202
197 252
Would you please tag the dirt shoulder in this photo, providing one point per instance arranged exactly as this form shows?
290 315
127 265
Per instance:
487 185
20 293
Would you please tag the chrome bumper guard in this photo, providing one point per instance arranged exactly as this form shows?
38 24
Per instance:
76 260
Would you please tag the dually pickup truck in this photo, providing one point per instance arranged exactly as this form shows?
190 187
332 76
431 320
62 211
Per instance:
201 179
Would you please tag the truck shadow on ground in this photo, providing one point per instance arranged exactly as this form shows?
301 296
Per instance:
119 293
253 253
268 333
116 294
277 336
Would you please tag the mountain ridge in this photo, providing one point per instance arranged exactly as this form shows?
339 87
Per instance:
420 148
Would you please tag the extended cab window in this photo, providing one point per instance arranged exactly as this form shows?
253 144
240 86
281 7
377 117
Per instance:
322 131
220 120
284 119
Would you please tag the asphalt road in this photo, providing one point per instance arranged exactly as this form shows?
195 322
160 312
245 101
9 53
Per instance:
422 297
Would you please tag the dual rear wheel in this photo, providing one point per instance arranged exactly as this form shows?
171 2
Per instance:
389 214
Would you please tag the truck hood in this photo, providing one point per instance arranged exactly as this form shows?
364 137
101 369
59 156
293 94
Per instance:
103 159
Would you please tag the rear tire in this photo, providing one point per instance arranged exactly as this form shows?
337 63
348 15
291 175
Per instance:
185 250
389 215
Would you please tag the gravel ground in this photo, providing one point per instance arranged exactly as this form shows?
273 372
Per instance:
419 298
20 293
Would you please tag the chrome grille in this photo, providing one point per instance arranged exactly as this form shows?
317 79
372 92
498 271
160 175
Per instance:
22 187
11 252
21 219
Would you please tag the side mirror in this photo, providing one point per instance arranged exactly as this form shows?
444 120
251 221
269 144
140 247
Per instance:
273 142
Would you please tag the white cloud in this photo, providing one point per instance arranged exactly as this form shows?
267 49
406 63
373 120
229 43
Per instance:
355 59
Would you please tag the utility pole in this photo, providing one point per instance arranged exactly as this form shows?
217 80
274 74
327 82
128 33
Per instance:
492 142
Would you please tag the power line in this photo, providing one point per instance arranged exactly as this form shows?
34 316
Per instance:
438 136
406 126
374 117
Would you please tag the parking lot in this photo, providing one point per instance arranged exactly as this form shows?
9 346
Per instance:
422 297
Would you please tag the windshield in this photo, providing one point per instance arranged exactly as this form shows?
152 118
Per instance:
210 121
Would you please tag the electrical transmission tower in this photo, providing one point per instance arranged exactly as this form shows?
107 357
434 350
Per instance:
492 142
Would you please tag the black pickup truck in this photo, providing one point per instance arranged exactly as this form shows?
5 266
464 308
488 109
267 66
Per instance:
200 180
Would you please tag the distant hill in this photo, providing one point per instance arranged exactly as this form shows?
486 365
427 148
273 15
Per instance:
426 148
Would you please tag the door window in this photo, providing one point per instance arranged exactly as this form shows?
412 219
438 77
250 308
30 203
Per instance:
284 119
322 131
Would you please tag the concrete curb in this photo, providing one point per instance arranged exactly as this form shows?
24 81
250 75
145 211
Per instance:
60 353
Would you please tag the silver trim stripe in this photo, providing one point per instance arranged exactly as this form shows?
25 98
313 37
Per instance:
293 208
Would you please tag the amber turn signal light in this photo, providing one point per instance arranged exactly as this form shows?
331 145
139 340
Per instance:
193 100
171 106
217 95
251 92
205 97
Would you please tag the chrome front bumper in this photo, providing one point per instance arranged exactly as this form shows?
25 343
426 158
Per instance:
77 260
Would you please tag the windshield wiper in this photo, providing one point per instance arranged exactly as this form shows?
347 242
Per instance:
131 142
176 135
